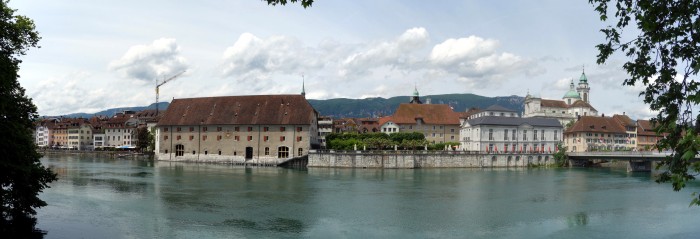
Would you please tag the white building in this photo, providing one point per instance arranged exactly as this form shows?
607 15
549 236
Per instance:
510 134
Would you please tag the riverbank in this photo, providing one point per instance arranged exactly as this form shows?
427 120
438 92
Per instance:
96 153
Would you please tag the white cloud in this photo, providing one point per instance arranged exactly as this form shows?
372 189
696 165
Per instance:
453 51
396 53
59 95
477 63
147 62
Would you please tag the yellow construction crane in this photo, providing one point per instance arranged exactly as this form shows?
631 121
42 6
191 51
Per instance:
161 83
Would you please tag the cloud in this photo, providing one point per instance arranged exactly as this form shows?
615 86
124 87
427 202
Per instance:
453 51
147 62
397 53
58 95
476 62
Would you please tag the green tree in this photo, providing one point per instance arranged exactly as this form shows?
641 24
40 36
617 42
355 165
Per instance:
560 156
144 139
22 176
663 52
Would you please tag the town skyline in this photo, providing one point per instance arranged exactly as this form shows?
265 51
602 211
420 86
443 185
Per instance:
95 56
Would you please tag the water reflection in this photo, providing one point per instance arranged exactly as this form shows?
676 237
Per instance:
578 219
116 198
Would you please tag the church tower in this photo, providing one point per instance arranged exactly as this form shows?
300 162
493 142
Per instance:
303 91
571 96
583 89
415 99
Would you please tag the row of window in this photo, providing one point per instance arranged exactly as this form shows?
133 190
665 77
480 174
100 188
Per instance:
235 138
523 148
282 151
524 134
236 129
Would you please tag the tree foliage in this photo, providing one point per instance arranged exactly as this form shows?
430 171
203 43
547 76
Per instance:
143 137
379 141
560 156
304 3
663 51
22 176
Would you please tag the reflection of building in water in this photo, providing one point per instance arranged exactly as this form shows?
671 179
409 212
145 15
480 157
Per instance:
574 103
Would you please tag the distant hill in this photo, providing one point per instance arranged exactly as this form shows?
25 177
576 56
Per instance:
375 107
110 112
370 107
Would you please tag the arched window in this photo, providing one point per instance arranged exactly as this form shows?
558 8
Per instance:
283 152
179 150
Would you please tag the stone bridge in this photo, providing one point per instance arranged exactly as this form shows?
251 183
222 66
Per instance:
638 161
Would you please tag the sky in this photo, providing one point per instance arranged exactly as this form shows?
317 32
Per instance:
96 55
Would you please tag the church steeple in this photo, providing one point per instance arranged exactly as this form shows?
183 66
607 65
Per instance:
416 98
583 89
303 90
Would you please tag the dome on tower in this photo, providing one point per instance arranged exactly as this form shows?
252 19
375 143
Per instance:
572 92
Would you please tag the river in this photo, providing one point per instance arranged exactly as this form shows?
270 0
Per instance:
121 198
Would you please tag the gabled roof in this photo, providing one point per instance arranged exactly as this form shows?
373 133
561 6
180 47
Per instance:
553 103
384 120
581 103
498 108
625 120
429 113
597 124
232 110
645 127
515 121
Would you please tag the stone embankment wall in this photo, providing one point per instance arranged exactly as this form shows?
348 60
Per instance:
423 159
215 158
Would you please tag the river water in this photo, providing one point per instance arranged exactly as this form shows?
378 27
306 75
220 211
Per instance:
118 198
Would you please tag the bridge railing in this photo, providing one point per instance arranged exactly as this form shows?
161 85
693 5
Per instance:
622 153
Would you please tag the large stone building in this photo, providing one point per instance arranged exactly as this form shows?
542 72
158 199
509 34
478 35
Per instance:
574 103
504 134
257 129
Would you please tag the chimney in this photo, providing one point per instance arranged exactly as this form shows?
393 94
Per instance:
603 115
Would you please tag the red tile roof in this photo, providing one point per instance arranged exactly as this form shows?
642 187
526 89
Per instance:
553 103
645 127
597 124
581 103
430 113
232 110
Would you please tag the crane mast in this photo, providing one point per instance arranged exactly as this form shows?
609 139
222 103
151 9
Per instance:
160 84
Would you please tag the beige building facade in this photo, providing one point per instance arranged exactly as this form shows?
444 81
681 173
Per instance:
237 129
